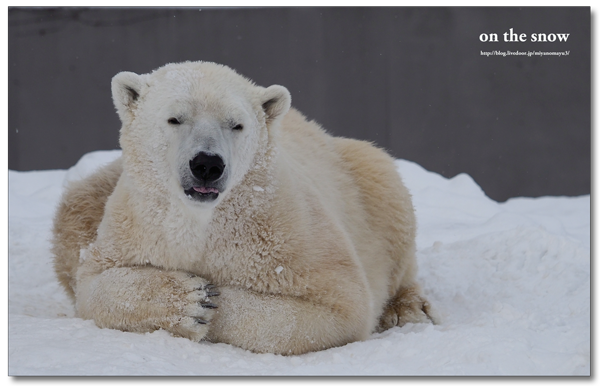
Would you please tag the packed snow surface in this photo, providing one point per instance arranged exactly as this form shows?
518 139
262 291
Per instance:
511 282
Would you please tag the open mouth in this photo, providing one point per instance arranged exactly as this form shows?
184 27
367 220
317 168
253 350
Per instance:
202 193
205 190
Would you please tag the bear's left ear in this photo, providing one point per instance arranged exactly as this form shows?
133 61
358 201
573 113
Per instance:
276 101
126 88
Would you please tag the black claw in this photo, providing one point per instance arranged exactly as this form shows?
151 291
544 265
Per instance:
200 321
210 290
209 305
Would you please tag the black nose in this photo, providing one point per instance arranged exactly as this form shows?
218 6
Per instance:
207 167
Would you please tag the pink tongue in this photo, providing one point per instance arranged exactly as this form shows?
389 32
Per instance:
205 190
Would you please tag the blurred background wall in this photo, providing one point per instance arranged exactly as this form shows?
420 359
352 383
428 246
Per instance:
413 80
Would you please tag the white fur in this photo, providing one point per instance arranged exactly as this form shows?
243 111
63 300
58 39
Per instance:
310 240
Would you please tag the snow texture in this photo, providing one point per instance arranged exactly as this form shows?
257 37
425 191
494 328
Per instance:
511 282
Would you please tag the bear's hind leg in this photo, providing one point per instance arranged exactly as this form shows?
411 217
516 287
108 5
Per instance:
407 306
77 219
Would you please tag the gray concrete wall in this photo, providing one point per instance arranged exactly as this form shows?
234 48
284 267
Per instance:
410 79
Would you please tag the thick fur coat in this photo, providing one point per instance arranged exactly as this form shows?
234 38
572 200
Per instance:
297 242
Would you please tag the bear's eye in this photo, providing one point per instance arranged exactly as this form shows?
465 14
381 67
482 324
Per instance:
174 121
239 126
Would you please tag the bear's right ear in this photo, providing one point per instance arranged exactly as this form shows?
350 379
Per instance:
276 101
126 88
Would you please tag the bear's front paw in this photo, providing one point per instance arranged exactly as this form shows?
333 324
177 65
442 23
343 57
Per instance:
195 307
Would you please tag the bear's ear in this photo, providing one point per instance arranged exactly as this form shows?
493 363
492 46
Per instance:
126 88
276 101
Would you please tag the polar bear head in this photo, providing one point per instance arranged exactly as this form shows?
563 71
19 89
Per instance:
194 129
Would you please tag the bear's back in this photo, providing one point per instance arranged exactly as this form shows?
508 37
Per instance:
358 182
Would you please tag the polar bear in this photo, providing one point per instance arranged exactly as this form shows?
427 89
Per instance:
231 218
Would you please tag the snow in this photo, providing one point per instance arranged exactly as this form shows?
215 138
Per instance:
511 282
